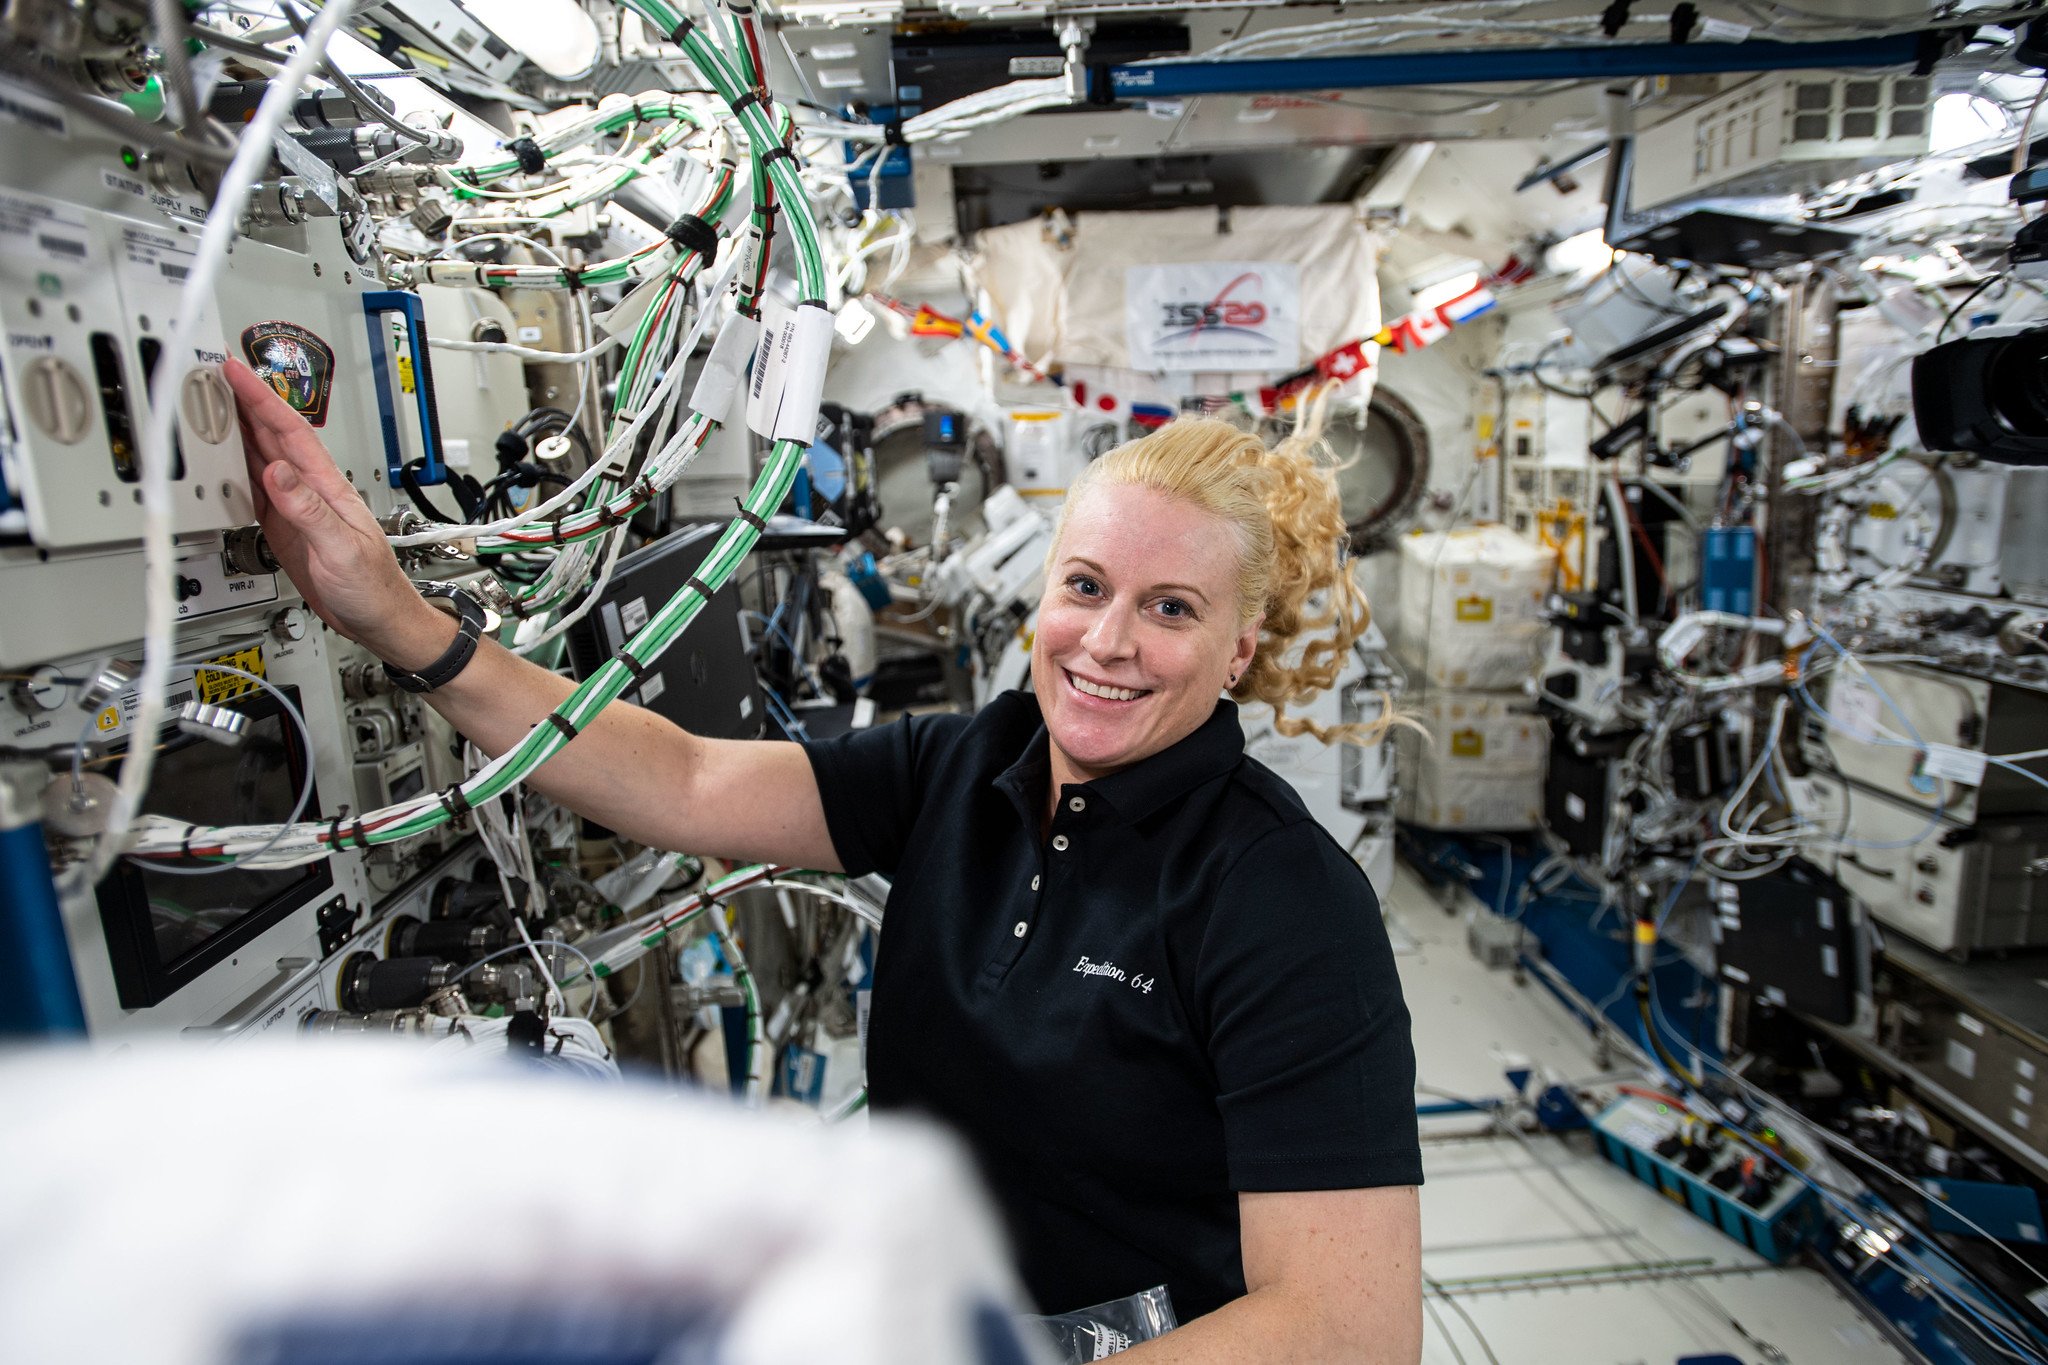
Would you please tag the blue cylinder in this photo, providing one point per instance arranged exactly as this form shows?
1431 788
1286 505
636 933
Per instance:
38 993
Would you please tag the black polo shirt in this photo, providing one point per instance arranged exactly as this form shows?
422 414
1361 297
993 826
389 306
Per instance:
1184 992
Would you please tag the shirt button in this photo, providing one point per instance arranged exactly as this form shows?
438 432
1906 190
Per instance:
1019 930
1076 804
1034 883
1059 843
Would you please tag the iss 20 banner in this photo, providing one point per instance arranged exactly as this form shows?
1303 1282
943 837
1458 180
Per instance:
1213 315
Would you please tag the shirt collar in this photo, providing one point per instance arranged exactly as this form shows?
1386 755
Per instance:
1215 748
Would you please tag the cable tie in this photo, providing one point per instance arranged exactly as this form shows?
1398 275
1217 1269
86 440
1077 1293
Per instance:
643 490
334 830
362 838
185 844
641 672
455 801
555 527
752 96
562 724
691 233
699 586
777 152
813 303
606 516
892 134
572 280
746 514
682 30
532 160
743 11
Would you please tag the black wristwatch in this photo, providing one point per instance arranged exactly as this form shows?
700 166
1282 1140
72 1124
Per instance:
469 614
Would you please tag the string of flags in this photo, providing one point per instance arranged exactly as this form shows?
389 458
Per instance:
1413 331
927 321
1410 332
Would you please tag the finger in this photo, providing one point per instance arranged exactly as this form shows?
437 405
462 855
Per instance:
300 504
282 434
253 458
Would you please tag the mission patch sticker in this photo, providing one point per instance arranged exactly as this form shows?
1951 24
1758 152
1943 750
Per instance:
296 362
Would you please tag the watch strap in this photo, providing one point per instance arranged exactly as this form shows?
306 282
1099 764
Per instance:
469 616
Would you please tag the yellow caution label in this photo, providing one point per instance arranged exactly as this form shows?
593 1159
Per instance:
1475 609
405 373
1882 511
215 687
1468 744
110 717
1485 426
1646 931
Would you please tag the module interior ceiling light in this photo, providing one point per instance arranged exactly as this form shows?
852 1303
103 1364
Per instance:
834 13
557 36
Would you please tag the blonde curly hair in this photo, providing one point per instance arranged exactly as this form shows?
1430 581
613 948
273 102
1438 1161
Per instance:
1292 571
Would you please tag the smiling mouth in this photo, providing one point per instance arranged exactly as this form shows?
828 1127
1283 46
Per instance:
1097 690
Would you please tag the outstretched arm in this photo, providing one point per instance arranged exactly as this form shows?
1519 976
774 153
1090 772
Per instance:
630 769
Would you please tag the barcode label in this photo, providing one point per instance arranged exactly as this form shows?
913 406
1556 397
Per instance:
171 271
62 246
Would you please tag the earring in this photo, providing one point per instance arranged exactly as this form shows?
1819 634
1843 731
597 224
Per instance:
1232 682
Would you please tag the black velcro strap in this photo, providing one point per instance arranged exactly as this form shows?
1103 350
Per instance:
1684 18
641 672
746 514
751 97
532 160
357 834
185 844
698 586
572 280
813 303
681 31
777 153
334 830
561 723
892 134
455 801
691 233
741 10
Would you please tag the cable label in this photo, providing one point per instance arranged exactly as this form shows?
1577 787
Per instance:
803 382
771 365
718 383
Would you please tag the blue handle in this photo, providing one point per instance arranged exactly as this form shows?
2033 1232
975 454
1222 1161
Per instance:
376 303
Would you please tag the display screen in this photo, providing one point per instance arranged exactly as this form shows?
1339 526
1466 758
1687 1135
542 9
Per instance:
165 928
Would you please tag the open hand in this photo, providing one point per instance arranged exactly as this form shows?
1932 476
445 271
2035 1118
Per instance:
320 528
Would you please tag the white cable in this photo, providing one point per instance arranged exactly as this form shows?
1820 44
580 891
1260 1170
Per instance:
533 353
298 720
160 607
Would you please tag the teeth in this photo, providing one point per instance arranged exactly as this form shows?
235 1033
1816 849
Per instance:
1110 693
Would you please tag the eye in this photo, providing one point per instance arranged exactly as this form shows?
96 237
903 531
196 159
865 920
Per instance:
1085 586
1173 609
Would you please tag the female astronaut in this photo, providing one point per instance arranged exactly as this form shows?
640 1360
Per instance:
1122 961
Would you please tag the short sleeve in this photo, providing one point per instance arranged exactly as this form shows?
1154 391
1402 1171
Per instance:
872 783
1307 1029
